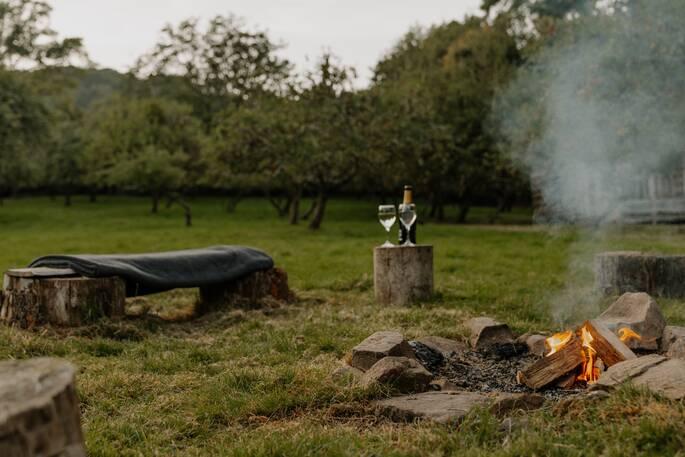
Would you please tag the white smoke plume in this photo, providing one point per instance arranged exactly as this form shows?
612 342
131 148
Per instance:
600 108
590 117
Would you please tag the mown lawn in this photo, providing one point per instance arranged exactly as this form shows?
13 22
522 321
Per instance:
257 382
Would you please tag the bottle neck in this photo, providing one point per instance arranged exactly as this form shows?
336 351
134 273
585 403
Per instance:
408 196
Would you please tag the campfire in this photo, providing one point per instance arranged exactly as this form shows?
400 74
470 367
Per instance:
577 358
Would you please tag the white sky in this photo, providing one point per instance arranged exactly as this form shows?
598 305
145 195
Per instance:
116 32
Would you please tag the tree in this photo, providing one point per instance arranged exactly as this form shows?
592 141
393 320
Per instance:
435 90
262 146
150 145
26 38
23 133
333 112
226 63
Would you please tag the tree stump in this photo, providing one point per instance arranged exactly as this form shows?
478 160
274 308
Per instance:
39 410
37 296
658 275
248 292
403 274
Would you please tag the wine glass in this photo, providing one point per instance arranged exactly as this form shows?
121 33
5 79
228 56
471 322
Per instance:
407 214
387 214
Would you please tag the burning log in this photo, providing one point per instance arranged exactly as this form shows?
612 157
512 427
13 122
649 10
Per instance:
557 364
607 345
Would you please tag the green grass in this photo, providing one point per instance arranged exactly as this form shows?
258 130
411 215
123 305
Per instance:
253 383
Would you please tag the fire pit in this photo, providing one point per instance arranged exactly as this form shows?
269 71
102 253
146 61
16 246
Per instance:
443 379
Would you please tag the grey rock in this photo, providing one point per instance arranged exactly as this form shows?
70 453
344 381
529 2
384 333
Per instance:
444 346
657 373
442 407
670 335
625 371
451 407
676 350
405 374
535 343
378 346
639 312
486 332
345 372
667 379
443 384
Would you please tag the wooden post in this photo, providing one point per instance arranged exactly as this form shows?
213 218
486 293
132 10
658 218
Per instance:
247 292
403 274
37 296
39 410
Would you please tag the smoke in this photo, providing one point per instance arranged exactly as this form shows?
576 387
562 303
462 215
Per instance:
593 114
599 109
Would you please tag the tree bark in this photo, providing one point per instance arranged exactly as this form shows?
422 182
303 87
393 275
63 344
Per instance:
232 203
37 296
250 291
310 211
155 204
463 213
319 212
41 414
294 217
403 275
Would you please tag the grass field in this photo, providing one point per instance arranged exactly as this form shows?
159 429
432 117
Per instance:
257 382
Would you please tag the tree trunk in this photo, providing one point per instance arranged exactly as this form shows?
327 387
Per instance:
93 197
294 217
67 199
317 219
463 213
155 204
310 211
232 204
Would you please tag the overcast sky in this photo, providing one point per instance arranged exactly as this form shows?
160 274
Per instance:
116 32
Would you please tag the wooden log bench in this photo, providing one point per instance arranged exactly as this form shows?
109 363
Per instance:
37 296
623 271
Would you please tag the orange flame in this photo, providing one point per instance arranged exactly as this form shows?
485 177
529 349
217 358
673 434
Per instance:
558 341
626 334
590 372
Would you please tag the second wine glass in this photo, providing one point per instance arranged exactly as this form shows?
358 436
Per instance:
407 213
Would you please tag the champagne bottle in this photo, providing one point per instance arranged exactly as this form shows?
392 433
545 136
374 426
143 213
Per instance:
408 199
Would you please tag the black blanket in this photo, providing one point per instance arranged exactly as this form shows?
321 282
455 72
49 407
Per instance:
158 272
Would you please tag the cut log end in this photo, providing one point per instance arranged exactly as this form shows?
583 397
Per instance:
39 409
608 346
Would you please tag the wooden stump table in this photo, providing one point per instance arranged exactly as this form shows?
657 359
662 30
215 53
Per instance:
403 274
623 271
36 296
39 410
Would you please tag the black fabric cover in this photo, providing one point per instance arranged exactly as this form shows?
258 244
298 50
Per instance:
157 272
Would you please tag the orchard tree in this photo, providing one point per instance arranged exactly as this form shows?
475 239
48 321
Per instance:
262 146
150 145
26 38
226 63
333 114
24 129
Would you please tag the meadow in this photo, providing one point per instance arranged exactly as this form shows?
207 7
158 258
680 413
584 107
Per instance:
257 382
